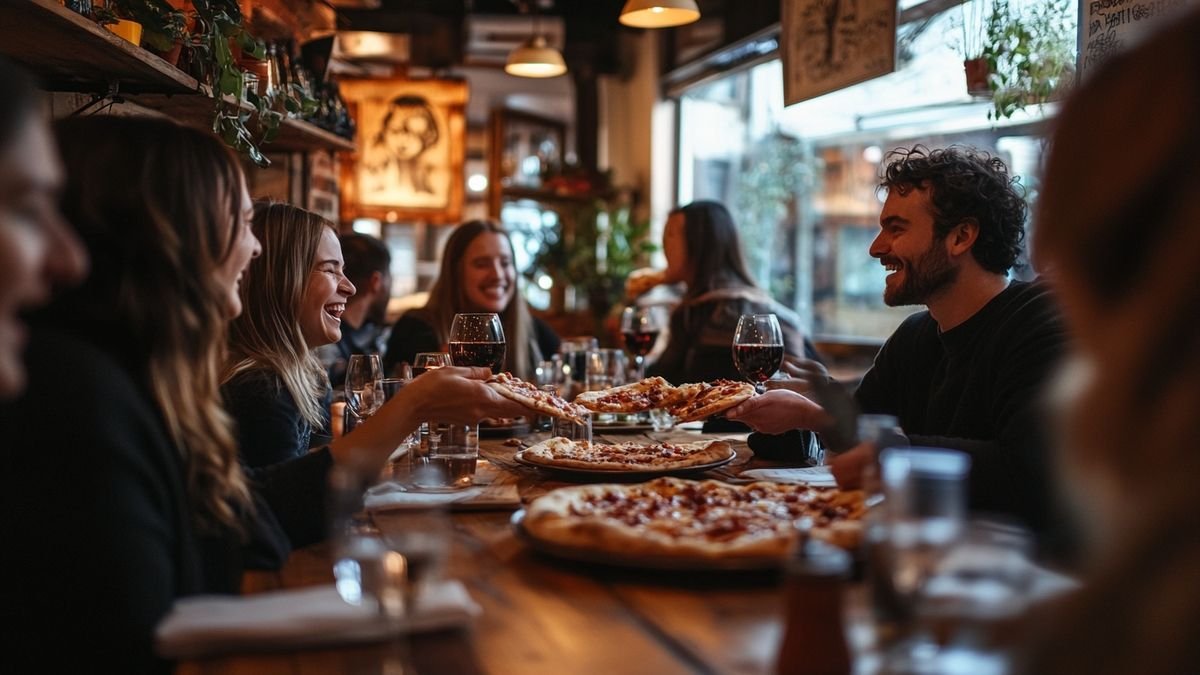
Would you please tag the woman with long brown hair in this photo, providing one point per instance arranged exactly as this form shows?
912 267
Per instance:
129 492
478 274
295 293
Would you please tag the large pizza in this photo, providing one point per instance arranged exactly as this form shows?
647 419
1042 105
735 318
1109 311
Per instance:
676 518
563 453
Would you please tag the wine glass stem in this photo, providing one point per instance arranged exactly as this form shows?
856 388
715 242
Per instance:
639 362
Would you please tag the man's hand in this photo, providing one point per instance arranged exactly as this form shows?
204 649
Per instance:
642 280
802 373
848 467
778 411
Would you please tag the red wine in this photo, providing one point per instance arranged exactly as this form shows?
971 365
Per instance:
758 362
482 354
640 344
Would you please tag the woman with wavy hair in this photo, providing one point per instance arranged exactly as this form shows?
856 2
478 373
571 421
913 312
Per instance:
295 293
128 459
478 274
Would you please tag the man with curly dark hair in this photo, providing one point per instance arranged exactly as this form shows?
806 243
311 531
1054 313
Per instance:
966 373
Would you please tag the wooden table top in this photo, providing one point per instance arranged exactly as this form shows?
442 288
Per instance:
544 615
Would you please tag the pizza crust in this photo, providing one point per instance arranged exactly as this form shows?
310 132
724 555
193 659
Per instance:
533 398
562 453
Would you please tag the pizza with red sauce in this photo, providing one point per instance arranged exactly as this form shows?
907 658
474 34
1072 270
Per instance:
563 453
672 517
650 393
528 395
705 399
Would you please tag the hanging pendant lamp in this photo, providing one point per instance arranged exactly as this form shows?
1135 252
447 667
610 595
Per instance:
659 13
535 58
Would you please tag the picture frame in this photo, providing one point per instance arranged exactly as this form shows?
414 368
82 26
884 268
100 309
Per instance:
409 140
826 45
523 147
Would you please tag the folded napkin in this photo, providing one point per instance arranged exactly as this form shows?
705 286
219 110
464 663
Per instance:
816 476
308 617
396 496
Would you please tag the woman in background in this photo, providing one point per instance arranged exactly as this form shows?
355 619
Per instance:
701 245
477 275
295 293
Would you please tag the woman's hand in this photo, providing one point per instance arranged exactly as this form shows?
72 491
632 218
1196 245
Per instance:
780 410
641 281
458 395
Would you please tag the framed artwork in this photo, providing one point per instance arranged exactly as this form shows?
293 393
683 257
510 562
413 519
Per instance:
409 139
828 45
523 148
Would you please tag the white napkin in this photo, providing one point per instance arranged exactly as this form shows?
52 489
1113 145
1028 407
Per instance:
816 476
207 625
395 496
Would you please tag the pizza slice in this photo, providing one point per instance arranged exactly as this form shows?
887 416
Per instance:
531 397
650 393
706 399
563 453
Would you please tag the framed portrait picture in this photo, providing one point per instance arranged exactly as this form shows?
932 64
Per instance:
408 163
523 149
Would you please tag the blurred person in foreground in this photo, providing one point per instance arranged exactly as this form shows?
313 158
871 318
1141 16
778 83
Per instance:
368 266
478 274
1119 228
294 297
127 492
966 373
700 242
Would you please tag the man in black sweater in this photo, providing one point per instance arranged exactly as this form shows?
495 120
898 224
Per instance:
967 372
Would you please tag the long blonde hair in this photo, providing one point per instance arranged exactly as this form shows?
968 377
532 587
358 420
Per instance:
157 205
267 334
448 297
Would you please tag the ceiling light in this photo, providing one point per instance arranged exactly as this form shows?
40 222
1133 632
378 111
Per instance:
535 58
659 13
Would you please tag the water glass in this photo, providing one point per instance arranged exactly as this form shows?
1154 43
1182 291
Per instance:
605 368
661 420
575 431
364 570
421 536
574 352
447 457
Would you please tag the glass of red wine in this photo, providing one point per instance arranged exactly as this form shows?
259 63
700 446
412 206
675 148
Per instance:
640 327
758 347
477 340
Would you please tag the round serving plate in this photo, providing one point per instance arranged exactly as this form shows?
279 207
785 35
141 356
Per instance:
619 475
642 561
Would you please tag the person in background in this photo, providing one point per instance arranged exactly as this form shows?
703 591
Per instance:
1118 230
296 295
364 323
120 448
703 252
38 251
477 275
965 373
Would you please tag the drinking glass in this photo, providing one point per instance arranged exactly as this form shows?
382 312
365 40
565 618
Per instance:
364 385
421 535
640 327
574 352
758 348
605 369
447 458
477 340
364 570
424 362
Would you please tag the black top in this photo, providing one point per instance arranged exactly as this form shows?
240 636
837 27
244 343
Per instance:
270 428
700 348
976 388
100 538
412 334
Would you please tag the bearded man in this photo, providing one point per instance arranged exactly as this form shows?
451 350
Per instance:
967 372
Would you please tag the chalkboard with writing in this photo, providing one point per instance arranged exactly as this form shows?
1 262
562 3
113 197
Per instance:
1109 26
830 44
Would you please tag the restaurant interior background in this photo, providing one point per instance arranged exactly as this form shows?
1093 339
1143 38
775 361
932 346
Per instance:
583 166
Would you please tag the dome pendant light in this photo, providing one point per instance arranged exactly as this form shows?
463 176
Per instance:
535 58
659 13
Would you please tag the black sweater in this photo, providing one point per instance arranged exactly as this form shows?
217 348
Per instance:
977 388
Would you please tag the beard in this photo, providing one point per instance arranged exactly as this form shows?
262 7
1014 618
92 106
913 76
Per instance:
377 312
923 277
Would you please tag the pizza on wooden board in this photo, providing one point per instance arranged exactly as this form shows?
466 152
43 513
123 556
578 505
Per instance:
563 453
676 518
528 395
705 399
650 393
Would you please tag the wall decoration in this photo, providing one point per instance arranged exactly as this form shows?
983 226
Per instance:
831 44
409 160
524 149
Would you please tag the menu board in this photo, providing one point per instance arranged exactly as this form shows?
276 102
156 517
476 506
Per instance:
1109 26
831 44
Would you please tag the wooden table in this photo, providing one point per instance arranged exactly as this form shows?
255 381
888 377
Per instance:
542 615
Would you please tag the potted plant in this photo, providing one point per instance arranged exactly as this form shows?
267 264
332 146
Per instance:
1019 54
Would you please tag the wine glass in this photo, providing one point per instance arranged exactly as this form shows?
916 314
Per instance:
758 347
640 327
477 340
424 362
364 385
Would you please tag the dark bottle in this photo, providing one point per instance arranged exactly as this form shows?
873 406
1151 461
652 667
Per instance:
814 642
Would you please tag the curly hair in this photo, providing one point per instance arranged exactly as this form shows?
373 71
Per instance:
965 184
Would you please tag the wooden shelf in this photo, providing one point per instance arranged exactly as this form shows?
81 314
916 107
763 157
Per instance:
544 195
70 52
